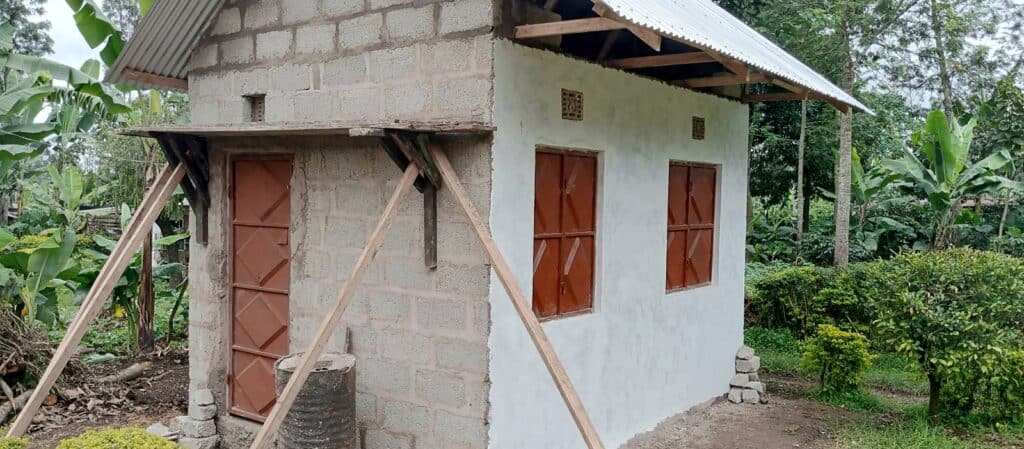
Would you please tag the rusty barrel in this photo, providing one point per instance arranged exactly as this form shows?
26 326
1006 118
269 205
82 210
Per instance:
324 413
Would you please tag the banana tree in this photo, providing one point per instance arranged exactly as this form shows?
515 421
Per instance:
945 177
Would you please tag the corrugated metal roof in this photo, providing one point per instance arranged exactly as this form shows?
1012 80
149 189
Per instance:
708 26
163 41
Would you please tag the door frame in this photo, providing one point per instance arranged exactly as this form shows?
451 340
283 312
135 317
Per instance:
229 281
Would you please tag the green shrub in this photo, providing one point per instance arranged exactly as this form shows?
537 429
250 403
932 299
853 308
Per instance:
785 298
838 358
13 443
959 314
127 438
778 348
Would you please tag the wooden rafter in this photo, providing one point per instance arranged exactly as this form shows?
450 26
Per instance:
154 79
649 37
721 80
575 26
644 62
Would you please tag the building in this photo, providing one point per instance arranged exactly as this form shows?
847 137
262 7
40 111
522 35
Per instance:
605 143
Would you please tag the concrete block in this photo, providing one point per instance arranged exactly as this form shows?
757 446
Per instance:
390 308
385 376
378 4
202 412
393 64
188 427
464 97
457 242
202 397
361 31
312 106
481 314
229 20
366 409
273 44
739 380
408 272
298 11
364 340
345 71
214 85
204 56
477 394
261 13
346 232
290 77
237 51
462 278
441 314
252 82
465 15
231 110
315 39
405 417
340 8
200 443
406 346
460 428
745 353
461 355
483 53
440 387
408 100
748 366
379 439
410 23
449 56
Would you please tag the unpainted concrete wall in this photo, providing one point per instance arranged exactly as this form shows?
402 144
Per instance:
642 355
419 335
345 60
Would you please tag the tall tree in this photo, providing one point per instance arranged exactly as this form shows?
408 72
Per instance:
124 14
30 36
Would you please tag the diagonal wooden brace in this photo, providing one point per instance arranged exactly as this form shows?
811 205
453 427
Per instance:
330 323
511 284
140 227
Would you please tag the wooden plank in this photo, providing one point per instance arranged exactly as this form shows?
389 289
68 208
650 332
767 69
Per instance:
647 36
430 226
409 148
330 322
154 79
720 80
519 300
643 62
575 26
325 128
774 96
122 255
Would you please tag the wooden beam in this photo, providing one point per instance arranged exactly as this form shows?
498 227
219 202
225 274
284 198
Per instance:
775 96
312 354
140 228
720 80
519 300
430 226
609 43
575 26
643 62
154 79
649 37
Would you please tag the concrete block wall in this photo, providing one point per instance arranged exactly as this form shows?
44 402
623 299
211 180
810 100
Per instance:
420 336
345 60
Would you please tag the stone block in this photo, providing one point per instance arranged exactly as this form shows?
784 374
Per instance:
464 97
345 71
160 430
406 346
293 11
449 56
380 439
340 8
410 23
440 314
273 44
736 395
754 377
361 31
739 380
390 308
462 355
202 412
385 376
748 366
463 278
393 64
204 56
291 77
460 428
279 108
465 15
190 428
756 386
408 272
312 106
251 82
237 51
745 353
315 39
407 418
440 387
202 397
261 13
229 20
200 443
751 397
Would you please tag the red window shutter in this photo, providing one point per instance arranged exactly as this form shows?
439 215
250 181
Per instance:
691 225
564 233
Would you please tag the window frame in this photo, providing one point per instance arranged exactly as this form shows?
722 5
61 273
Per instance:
593 234
713 227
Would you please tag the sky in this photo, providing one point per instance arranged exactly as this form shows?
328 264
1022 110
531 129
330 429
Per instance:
68 45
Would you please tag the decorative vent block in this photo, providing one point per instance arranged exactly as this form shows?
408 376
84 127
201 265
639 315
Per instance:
257 107
698 128
572 105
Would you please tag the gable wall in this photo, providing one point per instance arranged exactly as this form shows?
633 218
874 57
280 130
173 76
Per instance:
347 60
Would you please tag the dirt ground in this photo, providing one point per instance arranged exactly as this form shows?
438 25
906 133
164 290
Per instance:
158 396
786 422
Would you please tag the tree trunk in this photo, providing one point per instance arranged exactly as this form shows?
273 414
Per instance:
799 206
841 243
940 52
934 391
145 337
1006 211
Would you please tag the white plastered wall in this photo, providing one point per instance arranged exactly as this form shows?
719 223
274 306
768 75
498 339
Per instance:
642 355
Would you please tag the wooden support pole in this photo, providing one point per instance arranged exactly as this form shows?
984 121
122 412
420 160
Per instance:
309 359
508 280
140 228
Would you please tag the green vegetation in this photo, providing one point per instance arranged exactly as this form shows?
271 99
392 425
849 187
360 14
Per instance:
13 443
129 438
839 359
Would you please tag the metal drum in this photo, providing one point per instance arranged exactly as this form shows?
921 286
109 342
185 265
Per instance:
324 413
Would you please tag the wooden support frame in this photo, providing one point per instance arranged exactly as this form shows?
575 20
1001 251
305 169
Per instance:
649 37
644 62
139 228
154 79
720 81
190 152
574 26
407 148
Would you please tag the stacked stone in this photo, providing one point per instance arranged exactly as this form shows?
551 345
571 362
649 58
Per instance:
746 386
198 430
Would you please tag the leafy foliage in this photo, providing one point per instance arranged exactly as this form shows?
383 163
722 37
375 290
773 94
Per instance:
13 443
127 438
839 359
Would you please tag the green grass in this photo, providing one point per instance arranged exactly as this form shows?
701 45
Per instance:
909 429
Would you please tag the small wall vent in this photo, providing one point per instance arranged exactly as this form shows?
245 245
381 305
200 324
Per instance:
572 105
257 107
698 128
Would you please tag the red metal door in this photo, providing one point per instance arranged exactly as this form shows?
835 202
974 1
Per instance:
260 274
